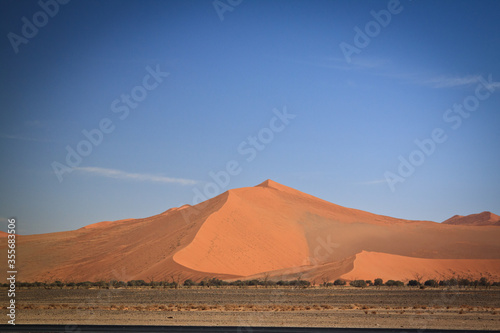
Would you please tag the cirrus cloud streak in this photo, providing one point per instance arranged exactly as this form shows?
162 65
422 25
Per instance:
119 174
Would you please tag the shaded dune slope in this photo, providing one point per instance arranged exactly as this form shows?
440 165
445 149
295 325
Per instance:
266 231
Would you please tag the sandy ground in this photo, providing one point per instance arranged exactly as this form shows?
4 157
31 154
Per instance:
390 266
266 230
319 307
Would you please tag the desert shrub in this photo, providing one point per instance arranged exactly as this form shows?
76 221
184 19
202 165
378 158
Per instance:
84 284
358 283
483 282
283 283
117 284
413 283
339 282
57 284
137 283
431 283
217 282
237 283
464 282
378 282
189 283
253 282
302 283
369 282
299 283
101 284
393 283
449 283
269 283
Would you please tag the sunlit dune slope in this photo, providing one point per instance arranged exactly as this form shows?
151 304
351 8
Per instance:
484 218
122 250
374 265
266 231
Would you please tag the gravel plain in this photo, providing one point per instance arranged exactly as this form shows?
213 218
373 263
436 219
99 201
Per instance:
319 307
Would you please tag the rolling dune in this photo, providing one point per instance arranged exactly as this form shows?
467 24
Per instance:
270 231
390 266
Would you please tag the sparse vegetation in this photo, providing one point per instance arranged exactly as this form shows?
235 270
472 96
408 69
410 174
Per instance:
339 282
431 283
413 283
483 282
393 283
358 283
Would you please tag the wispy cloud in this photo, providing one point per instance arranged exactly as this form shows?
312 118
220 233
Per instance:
118 174
453 81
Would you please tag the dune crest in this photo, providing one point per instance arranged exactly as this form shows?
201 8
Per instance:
269 230
481 219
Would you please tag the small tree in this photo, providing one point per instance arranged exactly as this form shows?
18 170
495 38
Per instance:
339 282
483 282
358 283
413 283
189 283
238 283
431 283
392 283
464 282
378 282
266 280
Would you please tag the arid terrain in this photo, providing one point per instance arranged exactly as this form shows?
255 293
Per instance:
269 233
269 230
471 309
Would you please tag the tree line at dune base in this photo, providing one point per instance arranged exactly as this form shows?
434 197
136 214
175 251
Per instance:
297 283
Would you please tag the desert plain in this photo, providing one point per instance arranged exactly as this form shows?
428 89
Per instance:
269 232
384 307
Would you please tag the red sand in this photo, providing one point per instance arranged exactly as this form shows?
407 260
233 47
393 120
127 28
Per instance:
267 230
484 218
372 265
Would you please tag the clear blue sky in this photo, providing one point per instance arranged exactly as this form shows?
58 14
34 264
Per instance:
353 119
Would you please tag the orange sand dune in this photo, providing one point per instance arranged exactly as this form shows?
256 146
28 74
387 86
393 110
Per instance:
372 265
484 218
269 230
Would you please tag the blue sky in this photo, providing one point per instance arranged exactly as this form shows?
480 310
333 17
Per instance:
263 86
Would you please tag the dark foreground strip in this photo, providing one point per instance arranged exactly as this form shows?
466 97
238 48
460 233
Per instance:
209 329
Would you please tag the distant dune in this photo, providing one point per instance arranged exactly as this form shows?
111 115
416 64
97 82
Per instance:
390 266
484 218
269 230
